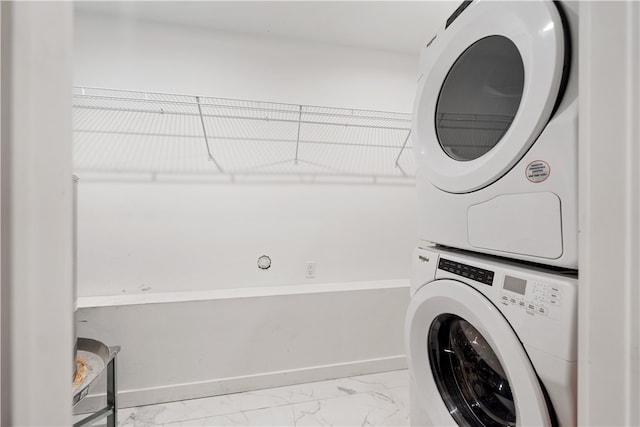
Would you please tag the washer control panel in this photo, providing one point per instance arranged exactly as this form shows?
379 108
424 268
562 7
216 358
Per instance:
470 272
534 297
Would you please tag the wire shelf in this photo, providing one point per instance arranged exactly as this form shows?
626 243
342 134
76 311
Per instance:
117 131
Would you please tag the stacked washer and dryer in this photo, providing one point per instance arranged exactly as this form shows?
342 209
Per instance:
492 323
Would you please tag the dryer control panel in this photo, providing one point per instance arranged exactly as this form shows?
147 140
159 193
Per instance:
457 12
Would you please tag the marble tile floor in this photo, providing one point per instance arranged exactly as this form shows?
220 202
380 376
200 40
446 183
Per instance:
377 399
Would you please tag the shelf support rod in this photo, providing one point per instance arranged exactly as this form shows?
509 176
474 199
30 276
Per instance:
206 139
295 161
401 150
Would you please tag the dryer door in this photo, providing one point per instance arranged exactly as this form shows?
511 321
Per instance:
467 363
490 84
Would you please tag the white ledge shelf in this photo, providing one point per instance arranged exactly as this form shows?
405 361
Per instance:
167 136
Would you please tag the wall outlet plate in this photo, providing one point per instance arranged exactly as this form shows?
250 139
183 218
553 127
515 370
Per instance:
311 269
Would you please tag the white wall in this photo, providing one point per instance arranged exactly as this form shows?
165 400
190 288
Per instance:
138 237
165 237
138 55
238 340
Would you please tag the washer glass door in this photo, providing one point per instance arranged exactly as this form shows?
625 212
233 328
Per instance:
467 364
468 374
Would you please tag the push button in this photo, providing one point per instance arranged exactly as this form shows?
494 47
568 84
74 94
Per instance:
542 310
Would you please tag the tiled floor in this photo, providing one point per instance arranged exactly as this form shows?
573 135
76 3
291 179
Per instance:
377 399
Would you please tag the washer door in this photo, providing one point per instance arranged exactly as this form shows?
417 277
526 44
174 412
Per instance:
467 363
489 87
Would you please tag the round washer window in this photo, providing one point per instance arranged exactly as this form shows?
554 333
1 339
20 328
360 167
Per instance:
479 98
469 375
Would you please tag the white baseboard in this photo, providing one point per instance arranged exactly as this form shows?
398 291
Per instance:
195 390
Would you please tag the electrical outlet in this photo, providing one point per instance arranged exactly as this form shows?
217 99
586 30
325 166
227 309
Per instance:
311 270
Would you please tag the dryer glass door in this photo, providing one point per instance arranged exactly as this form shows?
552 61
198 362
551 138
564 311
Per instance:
479 98
469 375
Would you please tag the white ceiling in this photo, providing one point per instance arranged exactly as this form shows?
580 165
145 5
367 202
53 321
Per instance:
402 26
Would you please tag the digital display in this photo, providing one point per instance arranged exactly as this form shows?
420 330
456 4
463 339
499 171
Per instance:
514 284
474 273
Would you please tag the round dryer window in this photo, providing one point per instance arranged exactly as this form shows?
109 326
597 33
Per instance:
468 374
479 98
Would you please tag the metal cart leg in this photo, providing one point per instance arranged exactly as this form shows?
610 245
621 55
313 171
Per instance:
112 393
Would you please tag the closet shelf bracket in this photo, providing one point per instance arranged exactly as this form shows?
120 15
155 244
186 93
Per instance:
206 139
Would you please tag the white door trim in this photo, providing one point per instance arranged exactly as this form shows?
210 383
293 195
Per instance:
36 221
609 295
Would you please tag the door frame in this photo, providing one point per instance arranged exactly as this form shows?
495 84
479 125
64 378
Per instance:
609 197
36 310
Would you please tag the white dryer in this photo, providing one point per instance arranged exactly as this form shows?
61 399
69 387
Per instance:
495 129
490 342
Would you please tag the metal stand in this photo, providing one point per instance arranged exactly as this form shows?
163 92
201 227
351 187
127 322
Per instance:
111 410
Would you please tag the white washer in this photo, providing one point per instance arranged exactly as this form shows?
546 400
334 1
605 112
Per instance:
495 129
490 342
